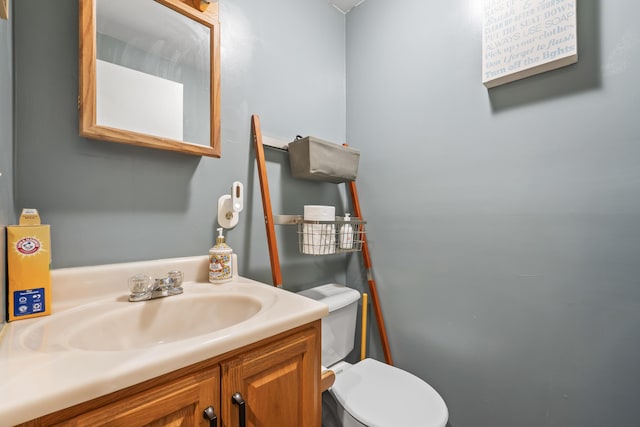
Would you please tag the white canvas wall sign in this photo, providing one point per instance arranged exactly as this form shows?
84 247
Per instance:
521 38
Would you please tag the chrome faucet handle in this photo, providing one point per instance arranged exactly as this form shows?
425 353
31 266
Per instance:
143 287
140 286
176 276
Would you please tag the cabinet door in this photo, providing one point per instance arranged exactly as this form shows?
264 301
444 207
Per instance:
279 382
176 404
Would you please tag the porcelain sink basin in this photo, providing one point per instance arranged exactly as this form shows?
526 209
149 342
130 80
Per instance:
118 326
95 341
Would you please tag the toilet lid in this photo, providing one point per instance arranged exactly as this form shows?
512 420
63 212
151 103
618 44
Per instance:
379 395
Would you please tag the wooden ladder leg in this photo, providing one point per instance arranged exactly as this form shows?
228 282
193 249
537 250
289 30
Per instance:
256 132
372 283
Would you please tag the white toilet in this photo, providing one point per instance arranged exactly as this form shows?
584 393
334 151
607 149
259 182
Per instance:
368 393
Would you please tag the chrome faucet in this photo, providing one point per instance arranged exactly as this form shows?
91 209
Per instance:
143 287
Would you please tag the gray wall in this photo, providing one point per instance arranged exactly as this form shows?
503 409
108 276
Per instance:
504 223
6 149
109 202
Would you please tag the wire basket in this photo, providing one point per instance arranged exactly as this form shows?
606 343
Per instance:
330 237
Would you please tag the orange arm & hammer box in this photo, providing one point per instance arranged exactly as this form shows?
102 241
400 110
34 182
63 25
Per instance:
28 262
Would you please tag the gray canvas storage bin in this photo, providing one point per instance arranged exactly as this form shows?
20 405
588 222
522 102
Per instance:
318 160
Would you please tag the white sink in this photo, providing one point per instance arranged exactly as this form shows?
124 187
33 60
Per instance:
96 341
117 326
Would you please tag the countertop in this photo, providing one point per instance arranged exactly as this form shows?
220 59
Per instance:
34 383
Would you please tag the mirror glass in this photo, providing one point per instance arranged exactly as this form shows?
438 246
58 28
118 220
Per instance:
150 71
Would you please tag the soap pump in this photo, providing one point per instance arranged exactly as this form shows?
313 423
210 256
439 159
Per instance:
220 264
346 233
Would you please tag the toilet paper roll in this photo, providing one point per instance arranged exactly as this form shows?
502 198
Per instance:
319 213
319 239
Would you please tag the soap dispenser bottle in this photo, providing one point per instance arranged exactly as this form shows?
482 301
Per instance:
346 234
220 264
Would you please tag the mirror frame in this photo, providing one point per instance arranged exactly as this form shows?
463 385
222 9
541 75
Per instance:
87 87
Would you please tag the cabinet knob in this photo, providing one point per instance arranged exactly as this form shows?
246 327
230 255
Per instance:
210 414
242 415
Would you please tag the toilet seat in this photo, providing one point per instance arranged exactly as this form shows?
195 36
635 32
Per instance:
379 395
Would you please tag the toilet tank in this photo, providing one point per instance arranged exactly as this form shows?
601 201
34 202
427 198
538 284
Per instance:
339 327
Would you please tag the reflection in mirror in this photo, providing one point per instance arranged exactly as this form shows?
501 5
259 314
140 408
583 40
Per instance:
150 74
152 70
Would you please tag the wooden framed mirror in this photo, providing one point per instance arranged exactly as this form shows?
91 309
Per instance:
150 74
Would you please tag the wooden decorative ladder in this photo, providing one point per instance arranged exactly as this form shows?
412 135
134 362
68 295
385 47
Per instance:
273 246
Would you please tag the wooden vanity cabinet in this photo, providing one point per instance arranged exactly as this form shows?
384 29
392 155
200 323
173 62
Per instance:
278 378
177 403
280 383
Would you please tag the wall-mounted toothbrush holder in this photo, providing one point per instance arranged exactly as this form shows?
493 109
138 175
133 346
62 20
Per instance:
326 237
